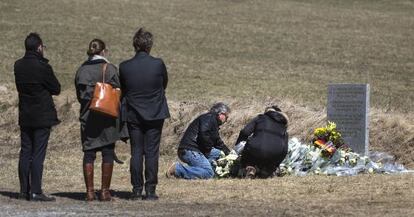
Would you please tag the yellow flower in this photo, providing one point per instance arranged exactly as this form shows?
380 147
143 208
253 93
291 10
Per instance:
319 132
331 126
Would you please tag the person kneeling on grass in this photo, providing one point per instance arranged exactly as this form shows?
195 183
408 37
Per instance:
267 143
200 145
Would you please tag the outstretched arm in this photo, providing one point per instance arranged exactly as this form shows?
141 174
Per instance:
247 131
220 145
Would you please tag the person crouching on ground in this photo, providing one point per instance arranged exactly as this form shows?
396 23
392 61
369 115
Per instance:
267 143
200 145
98 132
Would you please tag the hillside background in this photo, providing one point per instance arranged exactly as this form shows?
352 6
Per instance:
249 54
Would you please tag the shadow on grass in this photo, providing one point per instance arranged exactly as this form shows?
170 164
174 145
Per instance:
121 194
81 195
10 194
71 195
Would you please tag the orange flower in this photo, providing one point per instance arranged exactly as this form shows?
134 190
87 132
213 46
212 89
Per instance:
320 143
330 149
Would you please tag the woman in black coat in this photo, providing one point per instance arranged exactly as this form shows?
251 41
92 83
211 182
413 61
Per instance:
98 132
267 143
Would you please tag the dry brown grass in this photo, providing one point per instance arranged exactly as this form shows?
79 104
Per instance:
247 53
377 195
236 49
372 195
392 133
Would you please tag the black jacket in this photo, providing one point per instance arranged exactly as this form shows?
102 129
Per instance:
143 81
36 83
266 135
202 135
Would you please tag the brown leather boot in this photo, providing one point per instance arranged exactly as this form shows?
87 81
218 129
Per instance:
106 181
88 175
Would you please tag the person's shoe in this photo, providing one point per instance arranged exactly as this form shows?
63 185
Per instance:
90 196
250 172
107 169
277 172
170 173
41 197
135 195
150 196
23 196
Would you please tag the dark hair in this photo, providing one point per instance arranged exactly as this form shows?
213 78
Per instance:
96 46
142 40
32 42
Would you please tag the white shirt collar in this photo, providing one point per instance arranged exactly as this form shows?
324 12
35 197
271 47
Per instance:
99 57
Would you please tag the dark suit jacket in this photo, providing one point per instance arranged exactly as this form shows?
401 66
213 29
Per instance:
36 83
143 82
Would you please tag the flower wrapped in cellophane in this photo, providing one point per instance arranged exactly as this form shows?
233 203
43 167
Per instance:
328 138
326 154
224 165
305 159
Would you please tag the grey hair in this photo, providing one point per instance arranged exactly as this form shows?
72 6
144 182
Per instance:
219 108
273 108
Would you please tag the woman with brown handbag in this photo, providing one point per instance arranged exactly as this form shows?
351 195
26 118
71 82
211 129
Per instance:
99 131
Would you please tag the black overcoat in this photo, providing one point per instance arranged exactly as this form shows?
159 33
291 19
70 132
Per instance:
36 83
266 136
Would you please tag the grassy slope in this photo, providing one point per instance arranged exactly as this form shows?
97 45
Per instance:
283 52
234 49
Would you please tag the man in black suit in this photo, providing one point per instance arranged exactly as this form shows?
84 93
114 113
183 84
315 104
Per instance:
35 83
143 82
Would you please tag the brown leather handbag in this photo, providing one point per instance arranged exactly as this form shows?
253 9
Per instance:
105 98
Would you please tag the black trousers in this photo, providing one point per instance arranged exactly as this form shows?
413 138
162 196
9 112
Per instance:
145 144
32 155
107 151
265 163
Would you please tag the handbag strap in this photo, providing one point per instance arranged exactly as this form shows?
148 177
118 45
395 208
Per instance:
104 71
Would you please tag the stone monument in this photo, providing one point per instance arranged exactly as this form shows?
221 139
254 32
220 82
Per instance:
348 107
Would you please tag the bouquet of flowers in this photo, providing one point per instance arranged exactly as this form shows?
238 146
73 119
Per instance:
328 155
224 165
329 139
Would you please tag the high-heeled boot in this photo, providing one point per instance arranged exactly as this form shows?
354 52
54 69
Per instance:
88 175
107 169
